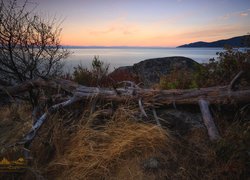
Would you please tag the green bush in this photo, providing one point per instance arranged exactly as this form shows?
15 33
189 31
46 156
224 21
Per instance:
178 79
95 76
221 72
217 72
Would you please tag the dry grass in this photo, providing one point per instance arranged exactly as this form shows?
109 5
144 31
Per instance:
98 154
121 147
15 121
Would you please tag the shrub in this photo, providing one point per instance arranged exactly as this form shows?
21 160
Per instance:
82 75
221 72
178 79
96 76
214 73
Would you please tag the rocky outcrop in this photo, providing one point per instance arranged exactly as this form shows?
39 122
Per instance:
149 71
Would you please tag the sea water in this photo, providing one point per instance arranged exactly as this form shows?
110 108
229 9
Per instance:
125 56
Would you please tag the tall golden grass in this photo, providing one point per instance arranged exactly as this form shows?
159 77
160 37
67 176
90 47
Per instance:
15 121
99 154
122 146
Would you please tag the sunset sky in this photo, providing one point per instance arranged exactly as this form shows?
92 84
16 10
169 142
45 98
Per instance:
147 22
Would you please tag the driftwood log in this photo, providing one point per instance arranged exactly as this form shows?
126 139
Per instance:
151 98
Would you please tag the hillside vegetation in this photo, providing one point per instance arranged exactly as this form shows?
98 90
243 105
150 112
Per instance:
239 41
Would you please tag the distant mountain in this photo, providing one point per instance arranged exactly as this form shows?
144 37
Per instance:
239 41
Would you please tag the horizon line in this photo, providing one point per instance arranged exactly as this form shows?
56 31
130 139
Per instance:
96 46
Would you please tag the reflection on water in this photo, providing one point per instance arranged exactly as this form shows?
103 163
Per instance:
117 57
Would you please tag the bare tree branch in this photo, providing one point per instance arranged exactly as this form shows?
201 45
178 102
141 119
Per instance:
29 45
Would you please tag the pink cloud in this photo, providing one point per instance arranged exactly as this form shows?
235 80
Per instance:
235 14
244 14
117 26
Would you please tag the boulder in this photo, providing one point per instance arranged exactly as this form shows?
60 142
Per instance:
149 71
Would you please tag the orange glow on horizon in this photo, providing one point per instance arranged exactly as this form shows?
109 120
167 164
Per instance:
167 32
148 37
146 22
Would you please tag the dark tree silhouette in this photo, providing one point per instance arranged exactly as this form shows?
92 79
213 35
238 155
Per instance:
29 45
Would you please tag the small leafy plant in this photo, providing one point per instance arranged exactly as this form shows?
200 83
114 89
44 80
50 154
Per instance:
95 76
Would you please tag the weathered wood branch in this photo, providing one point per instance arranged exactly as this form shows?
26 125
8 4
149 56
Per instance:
156 118
215 95
65 85
32 133
28 138
213 133
235 80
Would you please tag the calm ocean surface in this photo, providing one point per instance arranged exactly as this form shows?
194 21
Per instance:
117 57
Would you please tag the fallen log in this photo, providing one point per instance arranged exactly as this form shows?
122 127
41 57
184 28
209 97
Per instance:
66 85
215 95
151 98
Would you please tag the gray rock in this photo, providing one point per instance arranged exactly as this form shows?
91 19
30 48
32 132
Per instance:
149 71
